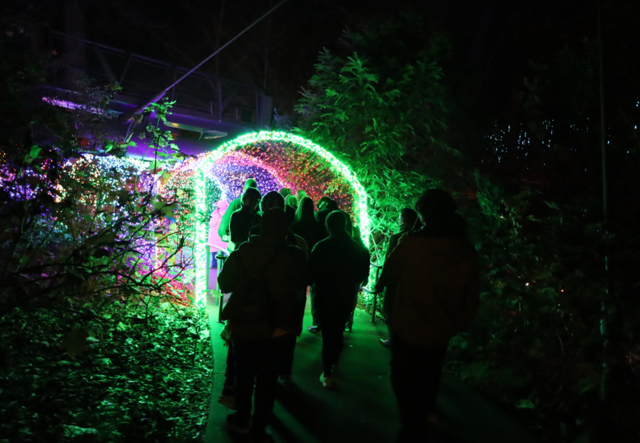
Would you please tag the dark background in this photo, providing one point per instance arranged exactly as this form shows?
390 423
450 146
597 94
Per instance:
492 40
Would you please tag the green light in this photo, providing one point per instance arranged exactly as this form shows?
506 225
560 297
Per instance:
201 250
202 162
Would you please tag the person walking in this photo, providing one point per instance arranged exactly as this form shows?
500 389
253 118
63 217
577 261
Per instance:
325 206
306 226
265 277
435 272
355 234
223 229
275 200
246 219
337 266
407 220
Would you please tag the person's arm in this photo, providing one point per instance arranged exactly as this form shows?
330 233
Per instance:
239 227
392 269
302 244
393 242
315 262
231 273
223 229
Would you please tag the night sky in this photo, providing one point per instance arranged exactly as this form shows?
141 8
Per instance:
492 41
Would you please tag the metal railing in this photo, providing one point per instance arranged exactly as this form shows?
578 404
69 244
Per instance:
142 78
378 269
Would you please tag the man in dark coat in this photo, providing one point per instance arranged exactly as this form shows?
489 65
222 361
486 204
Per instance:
260 344
245 219
435 272
337 265
223 229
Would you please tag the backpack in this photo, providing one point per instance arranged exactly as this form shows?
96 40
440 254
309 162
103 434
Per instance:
250 307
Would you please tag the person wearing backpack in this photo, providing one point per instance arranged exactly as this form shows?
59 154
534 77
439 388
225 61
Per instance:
337 265
265 277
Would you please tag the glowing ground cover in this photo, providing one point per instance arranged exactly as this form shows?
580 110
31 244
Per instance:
275 159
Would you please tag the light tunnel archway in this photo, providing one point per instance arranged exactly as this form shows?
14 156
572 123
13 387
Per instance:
276 159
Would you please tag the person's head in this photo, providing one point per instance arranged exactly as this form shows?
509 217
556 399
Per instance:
250 183
305 209
274 224
272 199
327 204
336 223
292 201
322 203
251 198
285 192
407 218
436 207
300 194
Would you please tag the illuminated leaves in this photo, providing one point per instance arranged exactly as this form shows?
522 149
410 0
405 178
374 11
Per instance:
75 342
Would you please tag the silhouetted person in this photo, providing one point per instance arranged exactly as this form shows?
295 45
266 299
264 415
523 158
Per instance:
305 224
245 219
435 272
265 276
275 200
355 234
234 205
337 266
291 207
407 220
325 206
285 192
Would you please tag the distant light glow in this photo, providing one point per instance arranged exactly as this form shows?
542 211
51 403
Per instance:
73 106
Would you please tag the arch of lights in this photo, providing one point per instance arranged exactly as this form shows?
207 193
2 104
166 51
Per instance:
276 159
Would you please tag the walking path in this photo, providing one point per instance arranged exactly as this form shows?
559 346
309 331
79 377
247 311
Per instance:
361 407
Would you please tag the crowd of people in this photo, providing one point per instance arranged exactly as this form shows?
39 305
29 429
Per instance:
281 247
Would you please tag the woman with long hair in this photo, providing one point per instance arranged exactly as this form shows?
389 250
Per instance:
305 224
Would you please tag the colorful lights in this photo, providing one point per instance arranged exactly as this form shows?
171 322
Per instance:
275 159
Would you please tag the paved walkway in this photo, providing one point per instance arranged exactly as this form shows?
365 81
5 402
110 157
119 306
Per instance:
361 407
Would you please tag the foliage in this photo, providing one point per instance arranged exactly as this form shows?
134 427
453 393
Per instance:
383 113
89 258
105 378
537 347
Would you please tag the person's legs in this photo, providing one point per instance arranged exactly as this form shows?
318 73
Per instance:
246 354
230 371
314 309
332 323
287 356
348 327
349 323
228 390
415 378
273 352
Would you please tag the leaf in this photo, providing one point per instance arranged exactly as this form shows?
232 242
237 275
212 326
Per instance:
525 403
75 342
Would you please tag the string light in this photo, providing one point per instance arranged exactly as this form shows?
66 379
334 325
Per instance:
288 159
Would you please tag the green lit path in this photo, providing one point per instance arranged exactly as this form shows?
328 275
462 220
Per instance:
362 407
